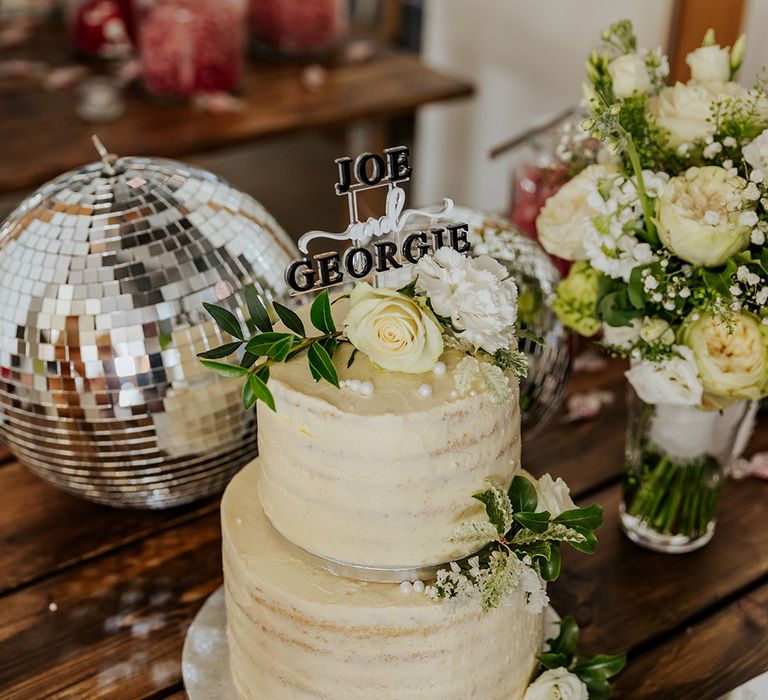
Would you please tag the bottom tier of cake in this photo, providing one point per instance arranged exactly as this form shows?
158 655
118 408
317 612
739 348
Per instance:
297 632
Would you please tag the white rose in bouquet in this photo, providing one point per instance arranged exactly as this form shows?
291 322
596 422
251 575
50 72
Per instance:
684 111
709 63
629 75
732 359
698 216
756 151
477 294
393 330
557 684
622 336
554 495
674 381
657 330
567 215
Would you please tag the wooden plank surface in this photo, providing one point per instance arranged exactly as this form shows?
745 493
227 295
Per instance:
42 136
44 529
718 653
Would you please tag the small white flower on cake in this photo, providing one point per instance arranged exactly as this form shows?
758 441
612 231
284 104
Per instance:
476 294
557 684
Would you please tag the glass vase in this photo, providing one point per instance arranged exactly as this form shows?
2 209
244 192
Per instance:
677 459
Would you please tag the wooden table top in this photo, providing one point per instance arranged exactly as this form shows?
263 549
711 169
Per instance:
95 602
42 136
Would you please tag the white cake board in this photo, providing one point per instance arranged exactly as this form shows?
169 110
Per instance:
205 658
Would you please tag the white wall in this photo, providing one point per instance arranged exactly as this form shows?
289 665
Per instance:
526 59
755 25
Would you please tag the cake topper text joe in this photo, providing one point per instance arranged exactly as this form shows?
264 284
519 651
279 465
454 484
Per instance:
393 244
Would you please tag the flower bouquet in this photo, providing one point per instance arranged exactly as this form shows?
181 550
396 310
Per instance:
667 231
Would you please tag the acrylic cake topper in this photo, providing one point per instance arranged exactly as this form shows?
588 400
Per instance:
394 245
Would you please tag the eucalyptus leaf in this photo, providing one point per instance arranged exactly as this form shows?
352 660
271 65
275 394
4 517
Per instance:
221 351
290 318
225 368
321 365
320 313
522 494
260 390
257 310
225 320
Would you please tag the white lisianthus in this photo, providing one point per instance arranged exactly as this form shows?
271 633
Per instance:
756 151
657 330
567 215
684 111
674 381
629 75
622 336
557 684
686 228
477 294
732 359
393 330
709 63
554 495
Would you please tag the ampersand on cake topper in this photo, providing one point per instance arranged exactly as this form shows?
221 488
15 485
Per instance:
394 245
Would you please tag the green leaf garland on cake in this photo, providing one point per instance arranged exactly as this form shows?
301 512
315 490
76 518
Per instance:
519 543
455 302
564 672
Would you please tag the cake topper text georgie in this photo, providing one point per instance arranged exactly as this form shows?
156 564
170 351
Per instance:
378 245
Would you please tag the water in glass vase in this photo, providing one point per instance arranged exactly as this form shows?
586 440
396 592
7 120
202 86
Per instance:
676 458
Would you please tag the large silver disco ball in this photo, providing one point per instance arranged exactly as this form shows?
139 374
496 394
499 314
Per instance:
541 392
103 272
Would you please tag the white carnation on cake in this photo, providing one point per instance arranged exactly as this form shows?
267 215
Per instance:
554 495
673 381
557 684
394 331
476 294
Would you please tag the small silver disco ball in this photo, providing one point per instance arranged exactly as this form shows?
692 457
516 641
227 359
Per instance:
103 272
541 392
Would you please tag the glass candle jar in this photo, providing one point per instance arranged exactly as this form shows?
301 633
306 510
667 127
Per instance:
189 47
297 28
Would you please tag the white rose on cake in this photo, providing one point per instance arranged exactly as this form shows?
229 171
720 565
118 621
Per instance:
674 381
629 75
476 294
393 330
554 495
732 360
567 215
698 216
557 684
709 63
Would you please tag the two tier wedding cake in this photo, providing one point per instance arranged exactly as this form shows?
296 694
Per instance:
386 543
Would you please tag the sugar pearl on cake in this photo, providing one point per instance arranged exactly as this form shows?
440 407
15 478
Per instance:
439 369
473 393
454 394
406 587
367 388
425 390
354 385
418 586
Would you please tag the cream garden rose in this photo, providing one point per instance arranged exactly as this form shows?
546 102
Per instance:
557 684
394 331
684 111
732 361
629 75
698 216
567 216
710 63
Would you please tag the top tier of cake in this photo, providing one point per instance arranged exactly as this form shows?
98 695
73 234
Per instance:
380 480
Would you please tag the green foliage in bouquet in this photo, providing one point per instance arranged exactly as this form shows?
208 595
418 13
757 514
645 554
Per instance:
520 540
562 652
